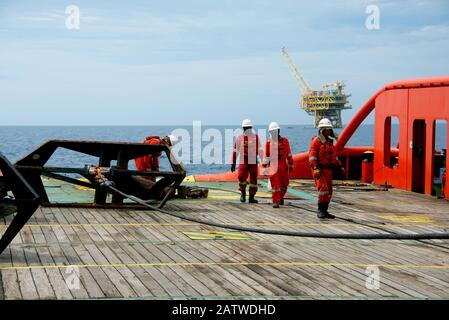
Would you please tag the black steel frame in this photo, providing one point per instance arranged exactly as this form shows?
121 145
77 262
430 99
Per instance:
25 200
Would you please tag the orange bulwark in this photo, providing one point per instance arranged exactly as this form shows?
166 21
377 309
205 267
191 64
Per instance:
417 104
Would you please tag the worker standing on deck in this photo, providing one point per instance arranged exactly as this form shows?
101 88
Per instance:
278 157
247 145
150 163
323 159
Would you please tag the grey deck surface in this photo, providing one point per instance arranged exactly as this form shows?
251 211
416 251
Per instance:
143 254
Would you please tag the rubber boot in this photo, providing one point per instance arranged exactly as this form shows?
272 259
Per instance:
251 199
328 215
282 202
243 196
275 205
321 211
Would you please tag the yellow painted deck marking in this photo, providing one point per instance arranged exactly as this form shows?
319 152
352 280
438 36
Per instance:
223 197
230 264
80 225
83 188
418 219
213 235
189 179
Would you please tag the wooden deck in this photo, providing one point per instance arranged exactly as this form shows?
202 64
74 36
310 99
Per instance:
143 254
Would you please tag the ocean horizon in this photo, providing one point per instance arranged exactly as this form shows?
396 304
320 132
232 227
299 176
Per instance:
18 141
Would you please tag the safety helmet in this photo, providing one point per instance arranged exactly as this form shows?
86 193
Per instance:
173 139
325 123
273 126
247 123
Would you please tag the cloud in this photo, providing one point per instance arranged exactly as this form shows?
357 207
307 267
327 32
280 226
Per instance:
207 60
41 16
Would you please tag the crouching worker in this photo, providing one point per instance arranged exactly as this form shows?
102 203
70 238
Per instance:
150 163
247 145
323 159
278 157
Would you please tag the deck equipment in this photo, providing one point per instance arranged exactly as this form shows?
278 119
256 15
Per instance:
16 195
33 168
24 179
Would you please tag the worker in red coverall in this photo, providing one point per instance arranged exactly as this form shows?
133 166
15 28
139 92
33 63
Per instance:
247 145
278 157
150 163
323 159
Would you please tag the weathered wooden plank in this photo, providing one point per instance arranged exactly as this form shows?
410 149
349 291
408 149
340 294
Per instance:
133 281
26 283
283 270
25 279
439 287
176 279
11 286
386 279
152 284
162 280
240 286
40 278
107 286
115 277
273 278
2 289
59 277
302 283
200 274
68 256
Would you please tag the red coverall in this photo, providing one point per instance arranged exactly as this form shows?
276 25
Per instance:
278 156
323 156
247 145
150 162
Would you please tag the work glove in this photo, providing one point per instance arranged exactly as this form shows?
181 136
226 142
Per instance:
316 173
342 172
290 168
233 167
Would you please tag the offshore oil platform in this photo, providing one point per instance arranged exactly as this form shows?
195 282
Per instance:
327 103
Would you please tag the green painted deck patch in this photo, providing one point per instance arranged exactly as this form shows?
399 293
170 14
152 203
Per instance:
295 192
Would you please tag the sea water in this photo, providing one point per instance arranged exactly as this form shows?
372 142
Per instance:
18 141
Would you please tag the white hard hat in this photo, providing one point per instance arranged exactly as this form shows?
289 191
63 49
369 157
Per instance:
325 123
273 126
173 139
247 123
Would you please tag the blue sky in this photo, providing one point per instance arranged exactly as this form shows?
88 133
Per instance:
172 62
